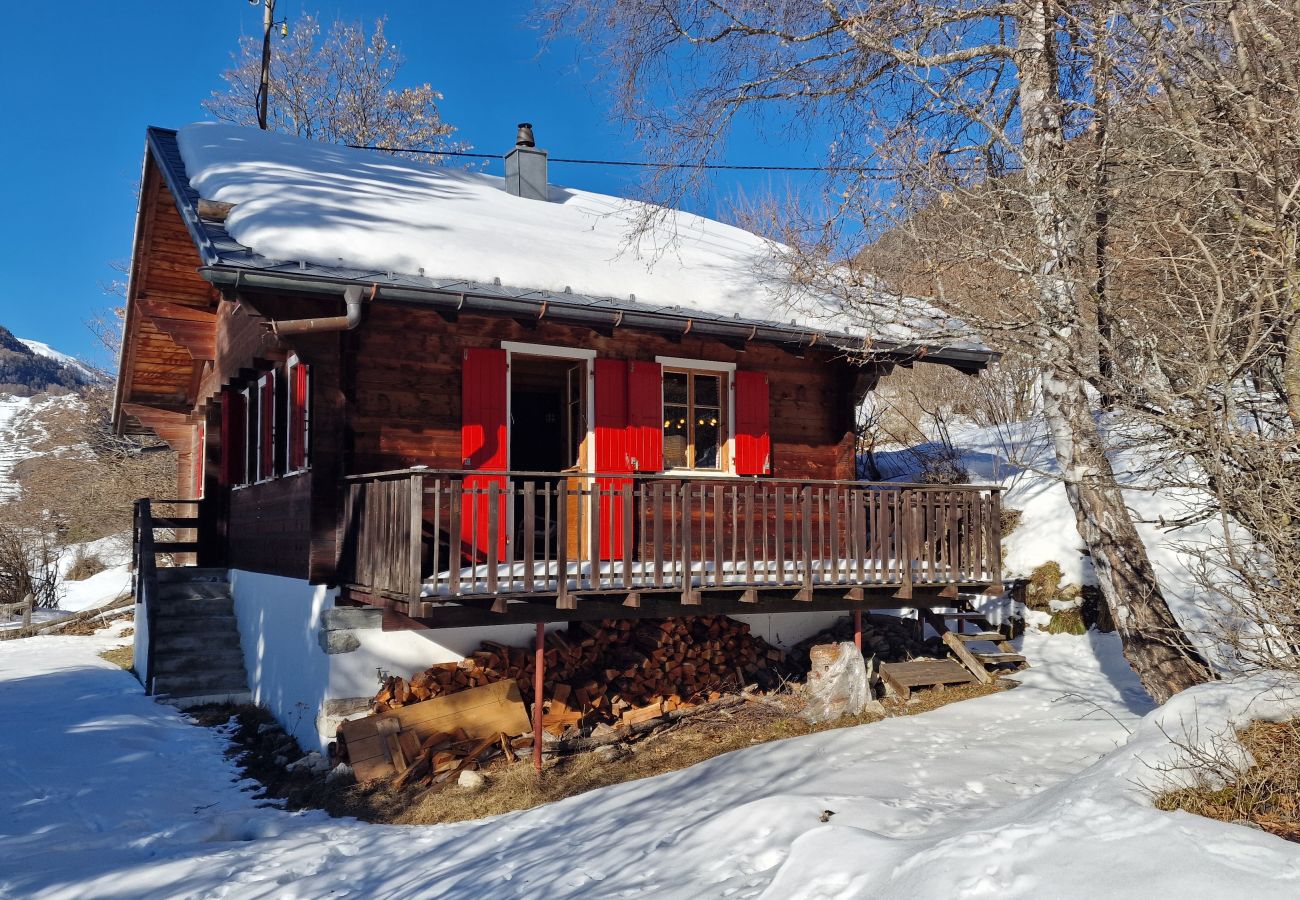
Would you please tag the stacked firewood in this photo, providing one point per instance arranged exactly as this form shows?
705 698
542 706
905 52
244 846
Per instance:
615 671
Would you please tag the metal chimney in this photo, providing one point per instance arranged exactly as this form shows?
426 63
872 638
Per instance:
526 167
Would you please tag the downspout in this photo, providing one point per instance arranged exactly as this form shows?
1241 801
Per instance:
347 322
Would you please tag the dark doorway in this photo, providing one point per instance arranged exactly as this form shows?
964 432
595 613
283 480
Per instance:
547 431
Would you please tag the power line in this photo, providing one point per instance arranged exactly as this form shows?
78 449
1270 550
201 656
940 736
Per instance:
640 164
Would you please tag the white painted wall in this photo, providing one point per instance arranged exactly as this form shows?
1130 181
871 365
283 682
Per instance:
288 672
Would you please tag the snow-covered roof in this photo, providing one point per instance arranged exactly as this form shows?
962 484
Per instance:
323 210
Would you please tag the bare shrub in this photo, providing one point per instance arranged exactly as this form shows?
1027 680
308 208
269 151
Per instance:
29 564
1262 789
84 565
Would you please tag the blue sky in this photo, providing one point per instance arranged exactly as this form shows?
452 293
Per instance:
83 79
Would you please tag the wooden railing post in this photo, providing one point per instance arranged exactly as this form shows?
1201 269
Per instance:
905 541
415 545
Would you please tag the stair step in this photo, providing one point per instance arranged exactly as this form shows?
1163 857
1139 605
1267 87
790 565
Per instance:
190 642
191 607
980 636
189 662
180 590
963 615
999 658
205 624
224 682
192 573
188 701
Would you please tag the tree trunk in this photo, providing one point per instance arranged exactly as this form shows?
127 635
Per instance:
1154 644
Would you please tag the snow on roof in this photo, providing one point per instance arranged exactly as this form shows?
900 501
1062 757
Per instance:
330 205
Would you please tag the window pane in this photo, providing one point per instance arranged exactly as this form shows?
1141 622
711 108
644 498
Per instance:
707 388
707 432
675 436
675 387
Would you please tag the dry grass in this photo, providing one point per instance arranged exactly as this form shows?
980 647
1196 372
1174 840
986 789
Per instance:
517 787
1266 794
120 656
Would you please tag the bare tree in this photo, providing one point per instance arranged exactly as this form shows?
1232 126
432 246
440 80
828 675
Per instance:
338 87
978 110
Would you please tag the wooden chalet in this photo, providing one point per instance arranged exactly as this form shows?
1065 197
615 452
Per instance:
464 452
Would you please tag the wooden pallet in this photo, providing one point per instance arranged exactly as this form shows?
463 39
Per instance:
903 677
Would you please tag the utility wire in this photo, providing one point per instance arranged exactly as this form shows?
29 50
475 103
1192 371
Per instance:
646 165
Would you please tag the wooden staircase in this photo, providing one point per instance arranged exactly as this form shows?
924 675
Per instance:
971 647
968 639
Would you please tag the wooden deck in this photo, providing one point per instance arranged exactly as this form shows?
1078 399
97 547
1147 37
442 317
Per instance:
443 548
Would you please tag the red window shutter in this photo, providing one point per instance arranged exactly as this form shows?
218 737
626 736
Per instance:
645 415
613 453
753 424
483 445
298 418
266 422
233 417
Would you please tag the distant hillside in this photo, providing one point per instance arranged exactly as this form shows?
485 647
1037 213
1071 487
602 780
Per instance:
30 367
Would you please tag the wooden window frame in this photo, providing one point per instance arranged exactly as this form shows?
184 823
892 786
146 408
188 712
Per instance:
725 375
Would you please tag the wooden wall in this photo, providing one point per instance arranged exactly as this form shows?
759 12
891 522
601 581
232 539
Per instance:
404 391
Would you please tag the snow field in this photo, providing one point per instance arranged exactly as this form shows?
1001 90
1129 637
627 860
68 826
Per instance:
1031 792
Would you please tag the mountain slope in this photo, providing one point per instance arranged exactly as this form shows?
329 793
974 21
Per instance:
32 367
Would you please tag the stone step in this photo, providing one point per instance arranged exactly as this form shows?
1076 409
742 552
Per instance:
205 624
189 701
184 590
189 642
186 662
192 574
195 607
221 681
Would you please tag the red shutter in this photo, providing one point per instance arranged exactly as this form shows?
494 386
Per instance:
483 445
266 422
753 425
233 417
645 415
298 418
612 451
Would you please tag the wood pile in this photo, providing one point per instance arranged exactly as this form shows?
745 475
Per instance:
617 671
430 743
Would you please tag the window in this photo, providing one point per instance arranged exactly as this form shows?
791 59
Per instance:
266 427
694 419
298 415
234 444
248 402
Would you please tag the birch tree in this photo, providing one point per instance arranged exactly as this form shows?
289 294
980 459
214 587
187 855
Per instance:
339 86
978 112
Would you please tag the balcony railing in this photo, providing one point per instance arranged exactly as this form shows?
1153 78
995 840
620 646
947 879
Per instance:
425 536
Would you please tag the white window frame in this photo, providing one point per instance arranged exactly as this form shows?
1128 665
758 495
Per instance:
728 446
553 351
290 364
246 394
263 383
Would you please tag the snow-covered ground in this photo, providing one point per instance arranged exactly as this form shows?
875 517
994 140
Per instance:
1030 793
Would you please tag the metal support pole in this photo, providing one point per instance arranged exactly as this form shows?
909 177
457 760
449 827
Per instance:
539 669
857 629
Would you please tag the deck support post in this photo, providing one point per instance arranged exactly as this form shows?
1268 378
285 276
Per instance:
539 669
857 629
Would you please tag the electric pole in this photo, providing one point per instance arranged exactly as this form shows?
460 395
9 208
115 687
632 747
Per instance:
264 89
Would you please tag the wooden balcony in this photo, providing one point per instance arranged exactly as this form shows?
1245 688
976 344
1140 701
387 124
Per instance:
457 548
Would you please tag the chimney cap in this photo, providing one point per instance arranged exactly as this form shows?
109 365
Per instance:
524 137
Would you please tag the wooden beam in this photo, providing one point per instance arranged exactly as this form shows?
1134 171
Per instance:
653 604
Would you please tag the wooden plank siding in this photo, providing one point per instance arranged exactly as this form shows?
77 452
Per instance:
405 393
